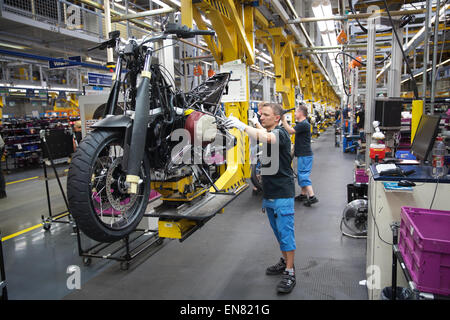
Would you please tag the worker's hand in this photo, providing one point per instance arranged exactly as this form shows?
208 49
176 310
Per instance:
254 121
233 122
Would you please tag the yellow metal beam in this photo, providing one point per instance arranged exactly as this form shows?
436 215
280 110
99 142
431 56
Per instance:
261 20
187 15
208 39
240 31
229 48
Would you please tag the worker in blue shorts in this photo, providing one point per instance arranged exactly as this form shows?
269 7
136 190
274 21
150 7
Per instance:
304 154
278 188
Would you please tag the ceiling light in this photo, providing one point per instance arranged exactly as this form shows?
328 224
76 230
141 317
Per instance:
13 46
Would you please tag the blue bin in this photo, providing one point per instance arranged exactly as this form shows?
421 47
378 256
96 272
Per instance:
405 155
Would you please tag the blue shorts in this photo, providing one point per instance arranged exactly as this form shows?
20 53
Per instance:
281 217
304 166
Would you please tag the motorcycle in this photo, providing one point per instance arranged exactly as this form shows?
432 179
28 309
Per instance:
110 175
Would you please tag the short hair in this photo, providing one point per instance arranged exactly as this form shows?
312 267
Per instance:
77 124
303 108
276 108
262 104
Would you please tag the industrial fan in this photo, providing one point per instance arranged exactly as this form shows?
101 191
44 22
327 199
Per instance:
354 218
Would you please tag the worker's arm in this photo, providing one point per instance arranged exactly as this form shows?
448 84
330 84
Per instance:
261 135
286 125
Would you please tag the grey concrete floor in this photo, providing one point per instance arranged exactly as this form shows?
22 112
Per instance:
225 259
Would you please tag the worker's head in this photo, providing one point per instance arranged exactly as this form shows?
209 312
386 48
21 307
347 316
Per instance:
301 112
261 104
77 126
270 115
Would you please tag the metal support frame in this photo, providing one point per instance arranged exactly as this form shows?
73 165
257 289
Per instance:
395 71
353 16
426 53
371 85
435 50
133 248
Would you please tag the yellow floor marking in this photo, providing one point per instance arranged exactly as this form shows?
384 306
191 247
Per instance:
12 182
30 228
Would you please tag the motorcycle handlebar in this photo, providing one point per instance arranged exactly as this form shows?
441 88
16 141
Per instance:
185 32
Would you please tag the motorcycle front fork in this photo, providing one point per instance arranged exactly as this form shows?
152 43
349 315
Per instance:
139 128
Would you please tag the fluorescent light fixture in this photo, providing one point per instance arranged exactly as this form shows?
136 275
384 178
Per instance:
322 8
428 70
27 86
262 59
89 59
13 46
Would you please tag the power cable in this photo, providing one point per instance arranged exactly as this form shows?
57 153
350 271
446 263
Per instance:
434 195
357 21
416 91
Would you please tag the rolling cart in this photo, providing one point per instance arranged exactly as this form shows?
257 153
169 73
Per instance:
125 249
56 144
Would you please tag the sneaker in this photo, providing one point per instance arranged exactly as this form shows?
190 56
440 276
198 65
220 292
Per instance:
301 197
287 283
310 201
277 268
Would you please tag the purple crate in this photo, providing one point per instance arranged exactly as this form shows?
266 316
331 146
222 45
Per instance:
361 176
424 242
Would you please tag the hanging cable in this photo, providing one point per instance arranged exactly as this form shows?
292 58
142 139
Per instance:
415 89
357 21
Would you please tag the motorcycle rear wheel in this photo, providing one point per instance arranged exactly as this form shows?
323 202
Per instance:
98 198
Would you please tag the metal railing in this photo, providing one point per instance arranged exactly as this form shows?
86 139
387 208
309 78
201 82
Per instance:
65 14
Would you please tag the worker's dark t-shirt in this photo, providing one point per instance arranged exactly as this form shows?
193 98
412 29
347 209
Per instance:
303 139
78 136
280 184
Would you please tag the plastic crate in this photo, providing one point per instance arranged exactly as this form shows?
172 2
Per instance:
406 155
361 176
424 242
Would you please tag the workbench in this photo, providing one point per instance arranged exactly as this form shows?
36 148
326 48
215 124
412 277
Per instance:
384 208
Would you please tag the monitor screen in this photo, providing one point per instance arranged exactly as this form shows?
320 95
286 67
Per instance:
388 112
425 135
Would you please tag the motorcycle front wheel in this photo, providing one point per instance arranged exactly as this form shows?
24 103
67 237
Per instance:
98 195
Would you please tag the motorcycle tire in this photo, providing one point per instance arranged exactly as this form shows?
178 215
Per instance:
97 194
256 175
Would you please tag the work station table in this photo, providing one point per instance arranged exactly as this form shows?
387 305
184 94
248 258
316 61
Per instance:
384 208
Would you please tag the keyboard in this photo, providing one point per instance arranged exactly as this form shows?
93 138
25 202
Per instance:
385 166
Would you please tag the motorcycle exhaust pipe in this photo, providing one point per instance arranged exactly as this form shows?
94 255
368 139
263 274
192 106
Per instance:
139 133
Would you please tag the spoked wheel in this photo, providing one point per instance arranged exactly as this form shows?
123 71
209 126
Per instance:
355 217
98 195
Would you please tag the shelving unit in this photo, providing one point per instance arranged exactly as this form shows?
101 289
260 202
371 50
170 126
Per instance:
22 141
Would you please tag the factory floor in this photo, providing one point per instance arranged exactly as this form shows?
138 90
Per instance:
225 259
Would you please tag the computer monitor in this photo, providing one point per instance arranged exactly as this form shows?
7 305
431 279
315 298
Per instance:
388 112
426 133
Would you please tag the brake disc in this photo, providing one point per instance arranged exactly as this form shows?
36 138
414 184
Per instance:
116 189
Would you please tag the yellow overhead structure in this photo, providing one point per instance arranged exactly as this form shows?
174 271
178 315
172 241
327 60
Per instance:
238 25
234 24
